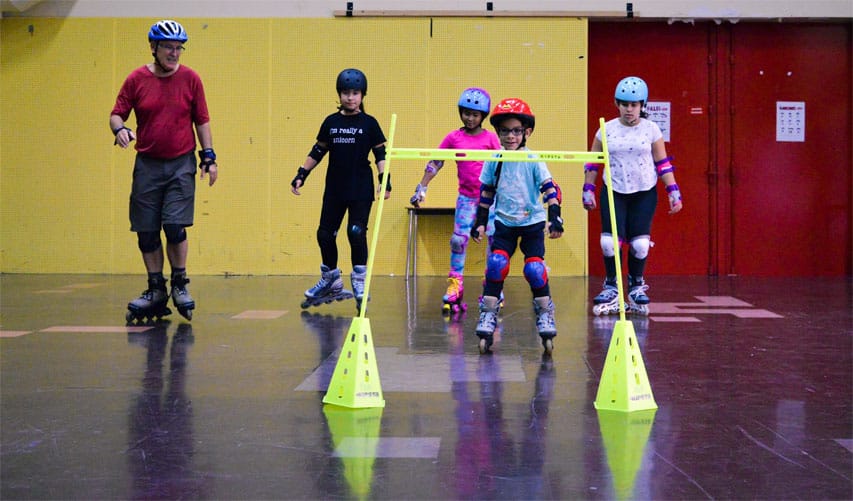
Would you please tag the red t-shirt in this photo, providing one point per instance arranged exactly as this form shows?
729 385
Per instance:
166 109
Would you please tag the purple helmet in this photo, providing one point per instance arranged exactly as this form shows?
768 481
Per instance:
477 99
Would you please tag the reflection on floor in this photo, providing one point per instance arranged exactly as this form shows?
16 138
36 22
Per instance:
752 377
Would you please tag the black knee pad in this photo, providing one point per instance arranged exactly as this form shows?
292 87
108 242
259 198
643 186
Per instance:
175 233
356 233
326 237
148 241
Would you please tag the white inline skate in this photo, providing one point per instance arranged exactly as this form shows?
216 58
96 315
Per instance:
638 301
607 301
544 309
487 323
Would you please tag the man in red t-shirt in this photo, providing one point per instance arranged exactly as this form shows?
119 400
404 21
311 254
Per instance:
168 100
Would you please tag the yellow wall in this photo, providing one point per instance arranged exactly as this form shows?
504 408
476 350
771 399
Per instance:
270 82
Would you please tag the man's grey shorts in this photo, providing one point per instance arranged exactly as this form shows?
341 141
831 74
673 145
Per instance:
163 192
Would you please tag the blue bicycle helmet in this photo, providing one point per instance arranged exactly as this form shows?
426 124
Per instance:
167 30
632 89
477 99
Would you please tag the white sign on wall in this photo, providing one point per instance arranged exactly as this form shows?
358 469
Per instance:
659 112
791 121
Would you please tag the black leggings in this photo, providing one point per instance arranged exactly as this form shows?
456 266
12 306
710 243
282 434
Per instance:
331 217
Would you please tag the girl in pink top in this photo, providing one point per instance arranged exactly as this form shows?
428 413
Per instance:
474 105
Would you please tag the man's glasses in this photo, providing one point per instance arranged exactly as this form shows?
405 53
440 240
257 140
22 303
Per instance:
515 132
172 48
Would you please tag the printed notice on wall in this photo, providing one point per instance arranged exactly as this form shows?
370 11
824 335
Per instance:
791 121
659 113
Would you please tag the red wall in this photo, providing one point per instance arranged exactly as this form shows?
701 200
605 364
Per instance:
753 206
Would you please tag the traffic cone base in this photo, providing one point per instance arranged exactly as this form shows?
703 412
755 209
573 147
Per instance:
624 384
355 382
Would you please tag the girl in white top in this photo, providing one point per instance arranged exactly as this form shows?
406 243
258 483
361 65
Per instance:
637 160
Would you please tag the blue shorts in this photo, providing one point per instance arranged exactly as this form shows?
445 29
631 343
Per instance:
163 192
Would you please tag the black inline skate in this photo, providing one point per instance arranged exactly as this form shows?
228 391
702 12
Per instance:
151 305
329 288
181 296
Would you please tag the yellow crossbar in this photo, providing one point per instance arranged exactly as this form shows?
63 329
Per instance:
484 155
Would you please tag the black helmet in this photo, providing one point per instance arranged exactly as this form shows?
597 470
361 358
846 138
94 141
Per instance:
352 78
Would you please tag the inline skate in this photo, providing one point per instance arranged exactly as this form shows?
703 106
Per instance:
607 301
452 299
152 304
181 296
544 309
357 277
487 323
329 288
638 301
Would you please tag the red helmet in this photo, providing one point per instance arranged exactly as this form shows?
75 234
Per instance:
513 108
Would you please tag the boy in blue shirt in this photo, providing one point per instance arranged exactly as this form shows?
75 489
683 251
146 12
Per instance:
521 221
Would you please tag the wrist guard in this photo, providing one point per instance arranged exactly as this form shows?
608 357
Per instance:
482 219
301 175
554 218
206 158
381 176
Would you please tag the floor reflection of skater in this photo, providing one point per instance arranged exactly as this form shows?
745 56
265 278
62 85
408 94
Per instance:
160 438
489 464
330 332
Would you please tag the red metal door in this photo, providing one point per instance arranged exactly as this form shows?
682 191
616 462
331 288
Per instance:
674 62
791 201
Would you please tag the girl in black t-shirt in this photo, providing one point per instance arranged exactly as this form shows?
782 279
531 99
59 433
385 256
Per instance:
348 135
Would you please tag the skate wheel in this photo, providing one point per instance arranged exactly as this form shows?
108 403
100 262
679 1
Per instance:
464 307
188 314
484 346
445 308
129 317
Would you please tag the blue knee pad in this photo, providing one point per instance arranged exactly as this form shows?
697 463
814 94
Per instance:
535 272
458 243
497 266
148 241
175 233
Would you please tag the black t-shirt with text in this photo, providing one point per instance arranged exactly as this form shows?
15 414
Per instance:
350 139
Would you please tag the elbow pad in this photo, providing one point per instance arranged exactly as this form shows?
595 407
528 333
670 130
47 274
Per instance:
379 153
318 152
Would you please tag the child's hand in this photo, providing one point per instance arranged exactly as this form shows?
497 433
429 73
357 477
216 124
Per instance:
419 196
477 233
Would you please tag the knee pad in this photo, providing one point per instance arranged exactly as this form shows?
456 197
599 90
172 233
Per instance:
458 243
356 233
175 233
497 266
640 247
326 237
535 272
607 247
148 241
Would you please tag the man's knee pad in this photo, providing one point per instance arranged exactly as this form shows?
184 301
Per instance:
640 247
607 247
497 266
148 241
458 243
175 233
535 272
326 237
356 233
